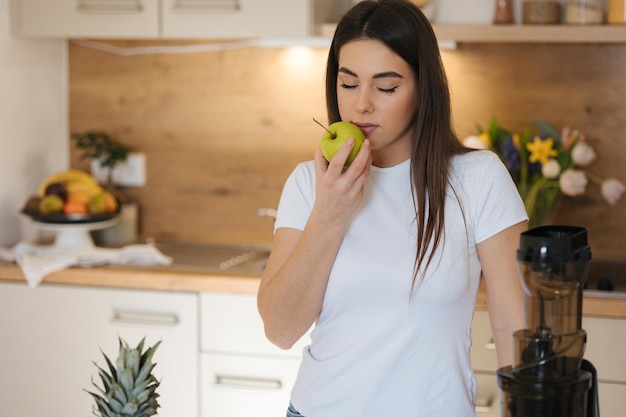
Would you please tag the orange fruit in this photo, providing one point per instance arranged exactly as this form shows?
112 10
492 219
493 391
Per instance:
110 203
82 197
74 207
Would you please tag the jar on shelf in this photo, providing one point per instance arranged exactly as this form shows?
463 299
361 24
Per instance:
503 13
583 12
541 12
617 12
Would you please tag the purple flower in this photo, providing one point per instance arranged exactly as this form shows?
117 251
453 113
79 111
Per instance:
510 154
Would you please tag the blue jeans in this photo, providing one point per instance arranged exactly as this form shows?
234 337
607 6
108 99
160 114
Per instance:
292 412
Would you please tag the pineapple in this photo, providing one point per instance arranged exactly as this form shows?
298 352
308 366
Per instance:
130 388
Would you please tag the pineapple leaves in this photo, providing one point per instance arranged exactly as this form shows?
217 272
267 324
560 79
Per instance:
129 389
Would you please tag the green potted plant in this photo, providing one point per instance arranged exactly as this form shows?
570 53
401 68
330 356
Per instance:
129 388
101 147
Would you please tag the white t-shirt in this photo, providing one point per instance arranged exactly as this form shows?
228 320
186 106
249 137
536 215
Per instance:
376 350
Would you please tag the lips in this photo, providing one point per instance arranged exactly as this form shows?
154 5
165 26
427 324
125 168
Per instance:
366 128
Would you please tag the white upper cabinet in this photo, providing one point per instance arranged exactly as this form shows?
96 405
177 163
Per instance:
235 18
150 19
86 18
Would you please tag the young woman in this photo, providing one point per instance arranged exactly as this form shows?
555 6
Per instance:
385 257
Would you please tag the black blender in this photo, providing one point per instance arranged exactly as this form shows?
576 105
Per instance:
549 377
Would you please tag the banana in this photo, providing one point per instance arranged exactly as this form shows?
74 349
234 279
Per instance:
81 185
79 179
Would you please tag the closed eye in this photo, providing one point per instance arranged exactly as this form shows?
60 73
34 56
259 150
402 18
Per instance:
347 86
387 90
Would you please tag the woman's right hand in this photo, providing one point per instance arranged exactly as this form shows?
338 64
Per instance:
339 190
293 284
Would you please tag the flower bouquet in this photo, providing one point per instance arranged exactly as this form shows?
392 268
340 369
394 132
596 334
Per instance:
545 163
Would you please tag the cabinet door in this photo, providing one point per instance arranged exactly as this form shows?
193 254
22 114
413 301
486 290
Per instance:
484 362
230 323
612 399
51 335
483 350
87 18
606 339
488 396
236 18
235 385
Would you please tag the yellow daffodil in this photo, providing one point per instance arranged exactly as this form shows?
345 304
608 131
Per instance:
484 136
541 150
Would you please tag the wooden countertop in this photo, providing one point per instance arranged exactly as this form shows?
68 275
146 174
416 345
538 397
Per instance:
172 279
146 278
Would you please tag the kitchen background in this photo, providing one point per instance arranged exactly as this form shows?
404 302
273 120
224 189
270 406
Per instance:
222 130
33 119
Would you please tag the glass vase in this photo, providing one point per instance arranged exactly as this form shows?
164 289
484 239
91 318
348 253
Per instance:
540 202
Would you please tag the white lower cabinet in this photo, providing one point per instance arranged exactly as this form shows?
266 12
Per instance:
51 335
484 362
214 359
241 372
487 395
606 339
234 385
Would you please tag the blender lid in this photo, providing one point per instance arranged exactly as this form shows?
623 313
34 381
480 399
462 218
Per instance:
554 244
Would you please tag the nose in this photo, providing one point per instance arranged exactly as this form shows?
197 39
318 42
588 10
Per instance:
364 102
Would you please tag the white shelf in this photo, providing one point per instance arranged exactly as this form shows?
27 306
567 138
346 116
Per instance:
531 33
521 33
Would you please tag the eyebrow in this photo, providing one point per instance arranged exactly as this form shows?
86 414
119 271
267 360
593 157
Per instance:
386 74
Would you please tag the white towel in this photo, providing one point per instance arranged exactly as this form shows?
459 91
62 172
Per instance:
37 261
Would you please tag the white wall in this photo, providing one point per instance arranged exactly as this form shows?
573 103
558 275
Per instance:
33 120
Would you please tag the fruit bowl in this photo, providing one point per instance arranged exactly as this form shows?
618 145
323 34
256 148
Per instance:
75 235
60 218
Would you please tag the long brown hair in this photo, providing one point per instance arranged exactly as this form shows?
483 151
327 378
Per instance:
403 28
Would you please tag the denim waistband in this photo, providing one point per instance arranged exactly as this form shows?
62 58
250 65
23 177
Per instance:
292 412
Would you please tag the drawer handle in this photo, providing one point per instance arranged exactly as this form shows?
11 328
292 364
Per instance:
206 6
248 382
484 405
144 318
490 345
109 6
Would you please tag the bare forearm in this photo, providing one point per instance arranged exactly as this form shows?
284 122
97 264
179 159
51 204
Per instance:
504 290
290 296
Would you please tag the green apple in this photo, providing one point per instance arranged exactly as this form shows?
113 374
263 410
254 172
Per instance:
336 135
51 204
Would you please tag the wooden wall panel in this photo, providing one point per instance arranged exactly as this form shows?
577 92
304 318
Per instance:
222 130
568 85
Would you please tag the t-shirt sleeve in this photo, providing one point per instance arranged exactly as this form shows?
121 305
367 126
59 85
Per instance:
297 198
497 203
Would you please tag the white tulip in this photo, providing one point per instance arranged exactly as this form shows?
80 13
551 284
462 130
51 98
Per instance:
573 182
612 190
583 154
475 142
551 169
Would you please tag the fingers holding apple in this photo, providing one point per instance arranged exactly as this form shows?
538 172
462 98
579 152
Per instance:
336 135
342 157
